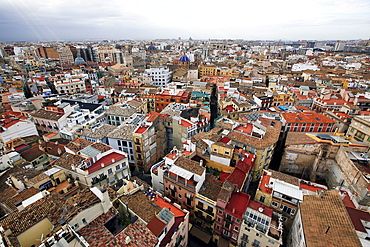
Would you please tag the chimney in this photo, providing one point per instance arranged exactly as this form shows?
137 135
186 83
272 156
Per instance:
102 164
201 162
113 161
127 240
19 205
59 151
105 200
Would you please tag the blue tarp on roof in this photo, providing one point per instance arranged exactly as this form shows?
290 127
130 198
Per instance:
284 108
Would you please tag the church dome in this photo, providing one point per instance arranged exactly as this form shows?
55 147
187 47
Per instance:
151 48
79 61
184 59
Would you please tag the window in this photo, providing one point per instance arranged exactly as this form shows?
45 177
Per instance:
180 196
236 228
234 236
215 149
226 232
118 167
218 219
110 171
227 225
84 221
256 243
75 226
262 199
228 217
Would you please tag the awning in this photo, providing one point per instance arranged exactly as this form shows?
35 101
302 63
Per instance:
222 243
202 235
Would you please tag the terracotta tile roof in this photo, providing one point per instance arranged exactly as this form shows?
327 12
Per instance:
25 173
49 115
21 196
318 213
225 192
212 135
298 137
271 136
67 160
284 177
151 116
101 146
123 132
121 111
211 187
140 204
52 207
53 148
135 103
78 144
97 133
306 117
190 165
32 153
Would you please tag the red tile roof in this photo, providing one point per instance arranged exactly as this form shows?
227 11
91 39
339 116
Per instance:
152 116
306 117
356 216
163 204
225 140
257 206
156 226
245 129
105 161
186 123
333 101
237 178
237 204
141 130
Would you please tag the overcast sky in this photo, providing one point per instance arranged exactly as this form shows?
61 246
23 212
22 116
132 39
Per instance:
44 20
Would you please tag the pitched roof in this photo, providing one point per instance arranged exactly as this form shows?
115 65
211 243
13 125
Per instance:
96 234
156 226
325 220
284 177
271 136
49 115
190 165
52 207
211 187
306 117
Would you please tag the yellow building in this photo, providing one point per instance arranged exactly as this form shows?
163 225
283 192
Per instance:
205 209
207 70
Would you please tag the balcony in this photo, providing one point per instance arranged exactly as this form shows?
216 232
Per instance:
206 211
204 219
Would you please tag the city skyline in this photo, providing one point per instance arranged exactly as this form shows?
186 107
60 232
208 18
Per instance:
264 20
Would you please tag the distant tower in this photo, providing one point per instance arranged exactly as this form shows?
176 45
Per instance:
266 61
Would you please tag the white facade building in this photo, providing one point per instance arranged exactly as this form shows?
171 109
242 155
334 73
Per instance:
17 128
159 76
